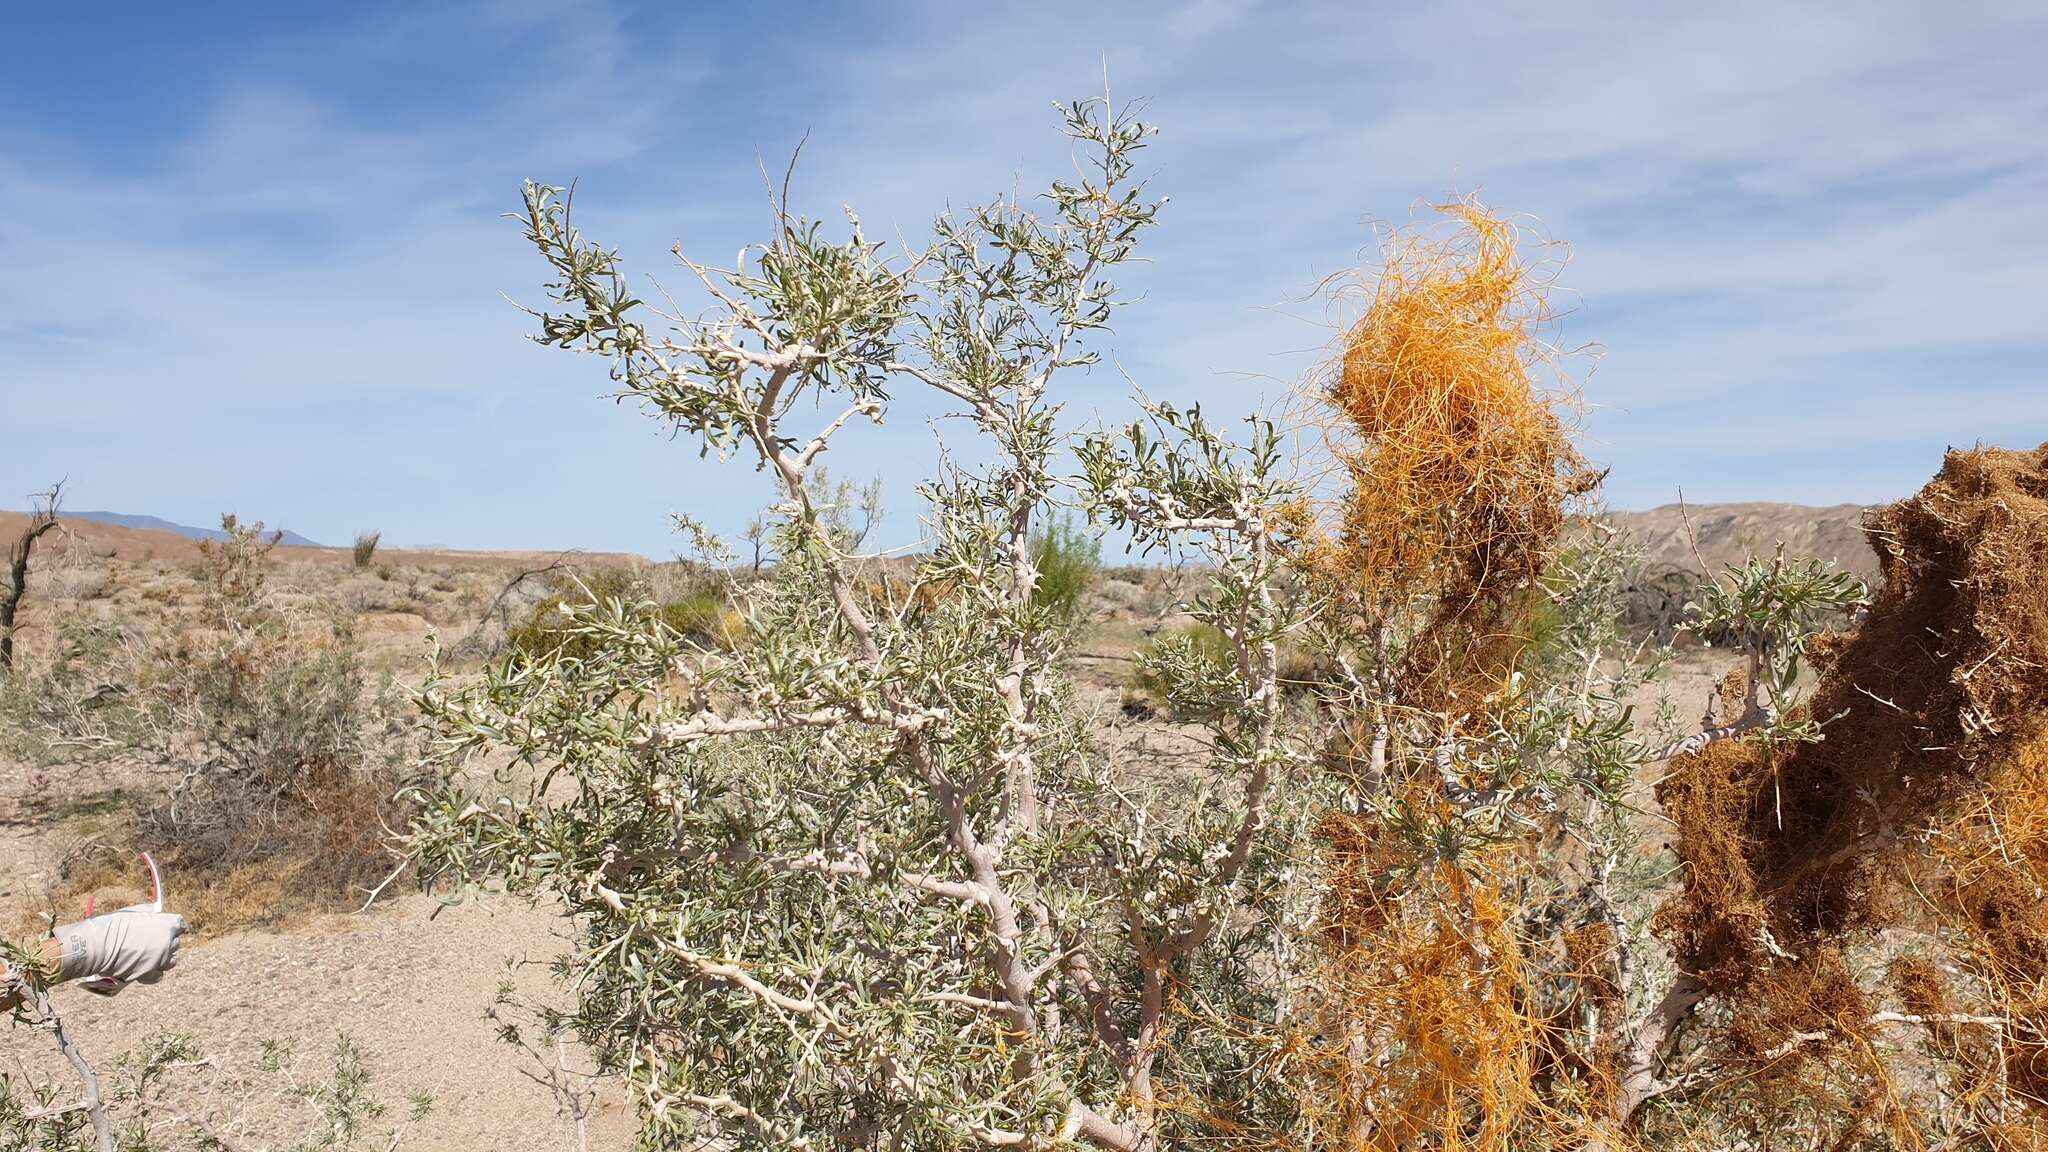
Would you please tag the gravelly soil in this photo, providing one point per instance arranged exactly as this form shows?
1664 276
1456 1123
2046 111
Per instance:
409 982
409 986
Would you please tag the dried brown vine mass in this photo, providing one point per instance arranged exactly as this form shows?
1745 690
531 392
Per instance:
1935 709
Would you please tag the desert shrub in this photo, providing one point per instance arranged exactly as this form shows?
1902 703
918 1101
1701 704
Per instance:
1301 667
1481 943
291 777
863 882
704 615
1494 964
547 625
365 548
756 536
272 719
1186 669
848 514
1655 601
1066 556
285 759
57 708
82 583
1660 603
698 611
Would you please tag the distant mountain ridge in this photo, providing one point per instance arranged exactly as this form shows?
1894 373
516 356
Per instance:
1727 533
159 524
1724 533
1677 543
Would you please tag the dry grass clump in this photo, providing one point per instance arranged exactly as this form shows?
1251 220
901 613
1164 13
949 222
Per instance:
251 859
1993 857
1455 453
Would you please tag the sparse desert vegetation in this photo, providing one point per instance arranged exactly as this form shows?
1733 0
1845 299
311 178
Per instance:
1375 809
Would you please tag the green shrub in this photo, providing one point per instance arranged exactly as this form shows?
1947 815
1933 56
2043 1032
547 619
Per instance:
365 548
699 614
867 882
1187 669
1067 557
839 503
547 627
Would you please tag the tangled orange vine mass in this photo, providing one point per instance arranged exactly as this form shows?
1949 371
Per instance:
1455 479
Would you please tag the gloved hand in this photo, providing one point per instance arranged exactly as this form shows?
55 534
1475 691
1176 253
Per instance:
135 945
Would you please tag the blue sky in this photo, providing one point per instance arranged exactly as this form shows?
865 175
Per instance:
254 259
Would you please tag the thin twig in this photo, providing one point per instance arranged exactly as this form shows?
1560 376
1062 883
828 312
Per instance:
95 1105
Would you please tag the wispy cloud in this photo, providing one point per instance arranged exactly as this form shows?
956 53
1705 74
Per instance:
1809 239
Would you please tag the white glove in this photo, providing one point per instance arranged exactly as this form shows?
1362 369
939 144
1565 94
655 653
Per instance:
134 945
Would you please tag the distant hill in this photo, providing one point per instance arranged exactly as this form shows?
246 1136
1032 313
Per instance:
1726 533
97 536
1655 598
159 524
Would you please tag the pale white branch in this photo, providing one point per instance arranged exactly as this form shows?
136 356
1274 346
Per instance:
1762 716
868 408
